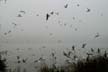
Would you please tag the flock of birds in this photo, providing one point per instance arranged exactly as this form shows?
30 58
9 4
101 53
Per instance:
47 16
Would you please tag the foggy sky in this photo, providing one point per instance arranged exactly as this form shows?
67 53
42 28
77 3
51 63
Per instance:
81 22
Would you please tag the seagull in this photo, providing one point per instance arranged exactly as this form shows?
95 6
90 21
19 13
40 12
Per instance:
83 45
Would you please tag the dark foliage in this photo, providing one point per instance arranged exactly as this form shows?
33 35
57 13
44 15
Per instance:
2 65
97 64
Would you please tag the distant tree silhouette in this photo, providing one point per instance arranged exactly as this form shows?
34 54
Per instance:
2 65
98 64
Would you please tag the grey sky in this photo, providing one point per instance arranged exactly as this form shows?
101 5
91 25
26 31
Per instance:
79 23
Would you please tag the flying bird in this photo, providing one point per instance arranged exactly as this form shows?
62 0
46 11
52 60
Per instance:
19 15
83 45
19 61
36 61
47 16
9 31
57 13
75 57
5 33
43 46
92 50
98 50
18 57
22 11
65 6
105 54
73 47
88 10
97 35
89 54
65 54
14 24
52 13
24 60
69 53
37 15
50 34
78 5
52 54
73 18
76 29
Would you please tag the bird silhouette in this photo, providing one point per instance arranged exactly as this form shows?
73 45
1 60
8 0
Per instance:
19 15
5 33
24 60
47 16
57 13
52 13
73 47
18 57
76 29
98 50
92 50
69 53
88 10
97 35
89 54
36 61
14 24
9 31
22 11
52 54
105 54
78 5
83 45
65 6
73 18
50 34
65 54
